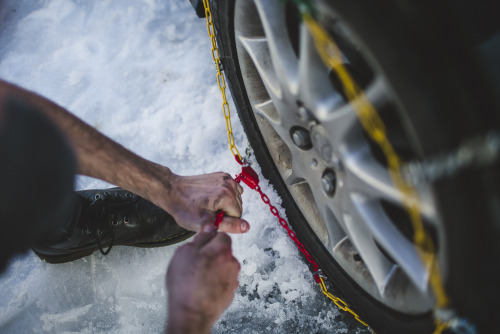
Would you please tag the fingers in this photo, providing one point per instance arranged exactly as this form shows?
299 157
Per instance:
199 198
233 225
230 200
206 234
240 204
235 186
231 204
227 178
239 188
195 276
219 246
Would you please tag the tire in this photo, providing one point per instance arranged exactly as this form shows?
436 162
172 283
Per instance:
410 60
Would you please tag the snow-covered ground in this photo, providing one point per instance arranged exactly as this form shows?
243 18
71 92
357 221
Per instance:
141 72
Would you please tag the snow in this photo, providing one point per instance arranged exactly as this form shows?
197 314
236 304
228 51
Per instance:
141 72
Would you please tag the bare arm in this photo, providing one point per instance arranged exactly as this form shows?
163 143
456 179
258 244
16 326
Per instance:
97 155
192 200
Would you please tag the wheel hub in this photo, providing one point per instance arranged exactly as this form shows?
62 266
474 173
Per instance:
323 146
323 156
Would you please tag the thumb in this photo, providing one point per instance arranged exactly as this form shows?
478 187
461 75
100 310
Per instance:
233 225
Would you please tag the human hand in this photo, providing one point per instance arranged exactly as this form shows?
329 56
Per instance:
195 200
201 280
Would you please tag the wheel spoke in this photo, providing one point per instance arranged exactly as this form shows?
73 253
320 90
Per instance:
341 125
315 88
337 177
378 265
275 135
341 122
366 175
400 249
293 177
273 19
301 172
267 110
304 189
377 92
336 232
279 136
257 49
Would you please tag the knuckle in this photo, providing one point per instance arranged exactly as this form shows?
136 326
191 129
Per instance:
227 191
216 203
225 239
226 177
224 198
227 188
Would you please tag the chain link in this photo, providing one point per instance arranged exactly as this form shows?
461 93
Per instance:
220 80
339 302
375 128
318 277
225 106
472 152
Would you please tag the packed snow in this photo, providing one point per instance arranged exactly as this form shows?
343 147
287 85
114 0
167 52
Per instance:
141 72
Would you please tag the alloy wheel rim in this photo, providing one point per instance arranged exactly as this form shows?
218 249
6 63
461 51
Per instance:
328 164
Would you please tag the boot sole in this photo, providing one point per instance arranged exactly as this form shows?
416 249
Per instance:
55 259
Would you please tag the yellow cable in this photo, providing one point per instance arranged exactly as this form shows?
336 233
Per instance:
375 128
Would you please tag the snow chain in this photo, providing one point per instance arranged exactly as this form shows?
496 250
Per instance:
220 80
375 128
250 181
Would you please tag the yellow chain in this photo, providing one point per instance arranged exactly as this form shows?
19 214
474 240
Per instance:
440 326
220 80
339 302
222 86
374 126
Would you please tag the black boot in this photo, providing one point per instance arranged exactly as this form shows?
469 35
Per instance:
104 218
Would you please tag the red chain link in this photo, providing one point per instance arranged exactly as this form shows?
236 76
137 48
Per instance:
251 179
291 233
218 218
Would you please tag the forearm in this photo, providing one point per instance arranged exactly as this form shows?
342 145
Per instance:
193 201
97 155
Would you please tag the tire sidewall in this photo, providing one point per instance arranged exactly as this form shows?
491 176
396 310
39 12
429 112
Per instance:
427 119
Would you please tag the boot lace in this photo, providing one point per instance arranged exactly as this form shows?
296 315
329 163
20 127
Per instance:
101 219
